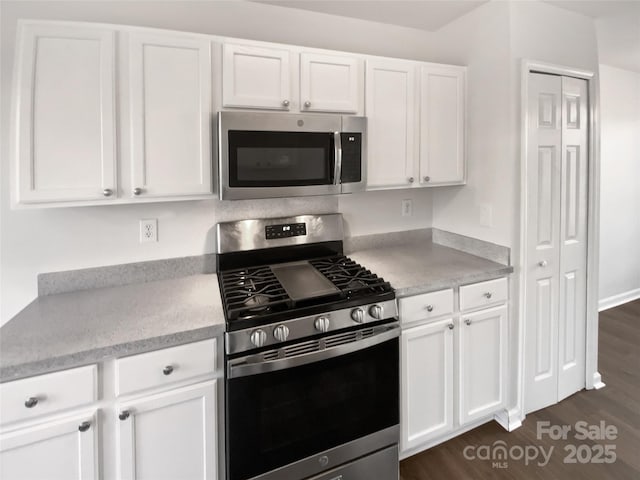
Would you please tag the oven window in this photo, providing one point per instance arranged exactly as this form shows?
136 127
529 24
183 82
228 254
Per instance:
273 159
276 418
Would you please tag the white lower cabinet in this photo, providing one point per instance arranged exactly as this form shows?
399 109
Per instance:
169 435
482 354
59 449
453 366
427 382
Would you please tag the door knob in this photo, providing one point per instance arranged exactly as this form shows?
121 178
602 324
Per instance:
137 191
285 103
542 263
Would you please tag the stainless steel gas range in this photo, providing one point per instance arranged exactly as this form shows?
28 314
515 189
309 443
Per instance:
312 354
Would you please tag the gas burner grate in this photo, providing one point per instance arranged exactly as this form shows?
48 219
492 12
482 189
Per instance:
350 277
252 291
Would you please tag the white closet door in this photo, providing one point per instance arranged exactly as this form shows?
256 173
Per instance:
573 238
556 239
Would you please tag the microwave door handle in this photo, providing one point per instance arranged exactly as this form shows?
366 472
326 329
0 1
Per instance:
337 172
241 368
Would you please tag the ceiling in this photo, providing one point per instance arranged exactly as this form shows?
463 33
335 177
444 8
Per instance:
617 21
427 15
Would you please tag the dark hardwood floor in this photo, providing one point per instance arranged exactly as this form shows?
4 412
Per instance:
617 404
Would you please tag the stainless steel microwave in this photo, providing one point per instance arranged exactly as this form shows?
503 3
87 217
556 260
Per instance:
265 155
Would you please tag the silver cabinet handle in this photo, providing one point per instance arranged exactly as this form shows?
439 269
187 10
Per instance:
107 192
137 191
168 370
426 179
487 295
307 104
450 326
84 426
467 321
124 415
542 263
31 402
429 308
410 179
337 168
285 103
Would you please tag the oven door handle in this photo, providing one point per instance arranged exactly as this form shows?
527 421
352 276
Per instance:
240 368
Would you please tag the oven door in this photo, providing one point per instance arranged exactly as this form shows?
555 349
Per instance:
278 155
309 412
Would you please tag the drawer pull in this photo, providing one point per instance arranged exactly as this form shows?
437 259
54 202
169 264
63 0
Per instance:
31 402
168 370
450 326
467 321
124 415
429 308
488 295
84 426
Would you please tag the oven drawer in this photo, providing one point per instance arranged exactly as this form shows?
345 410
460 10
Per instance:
164 367
483 294
426 306
382 465
49 393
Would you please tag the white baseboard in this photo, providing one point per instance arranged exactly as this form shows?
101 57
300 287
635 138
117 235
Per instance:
615 300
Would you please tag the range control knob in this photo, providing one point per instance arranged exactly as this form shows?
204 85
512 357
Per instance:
376 312
280 333
322 324
357 314
258 338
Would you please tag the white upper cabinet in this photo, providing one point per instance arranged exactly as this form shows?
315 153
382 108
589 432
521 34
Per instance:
442 124
170 115
331 83
65 142
256 77
392 118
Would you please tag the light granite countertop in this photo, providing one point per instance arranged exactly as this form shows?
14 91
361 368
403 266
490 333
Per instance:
422 266
71 329
65 330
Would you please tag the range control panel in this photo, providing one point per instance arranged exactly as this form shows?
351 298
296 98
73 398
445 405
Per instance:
285 230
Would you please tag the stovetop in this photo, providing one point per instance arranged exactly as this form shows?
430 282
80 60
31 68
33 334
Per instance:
255 295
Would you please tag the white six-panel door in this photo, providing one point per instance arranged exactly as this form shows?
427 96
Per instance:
65 105
556 239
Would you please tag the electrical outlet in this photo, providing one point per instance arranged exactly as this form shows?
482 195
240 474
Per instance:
407 208
149 230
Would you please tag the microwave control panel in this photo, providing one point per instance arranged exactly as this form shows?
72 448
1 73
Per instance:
285 230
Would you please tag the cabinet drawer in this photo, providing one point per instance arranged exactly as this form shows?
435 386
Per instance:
163 367
483 294
50 393
426 306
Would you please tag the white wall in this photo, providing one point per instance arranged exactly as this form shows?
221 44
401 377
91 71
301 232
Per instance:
480 40
619 188
38 241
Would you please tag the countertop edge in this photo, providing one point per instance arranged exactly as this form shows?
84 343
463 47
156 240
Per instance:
78 359
453 282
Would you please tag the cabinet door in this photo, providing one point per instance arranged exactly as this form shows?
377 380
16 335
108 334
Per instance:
483 353
170 115
256 77
65 144
63 449
169 435
427 383
391 113
442 125
331 83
